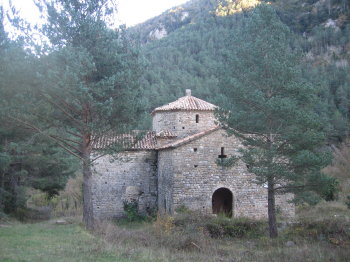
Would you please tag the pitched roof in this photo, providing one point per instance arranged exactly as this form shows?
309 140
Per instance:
148 142
187 102
127 141
165 134
188 139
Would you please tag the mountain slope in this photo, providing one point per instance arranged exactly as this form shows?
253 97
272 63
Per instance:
186 47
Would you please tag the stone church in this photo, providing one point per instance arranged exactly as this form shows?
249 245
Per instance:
175 166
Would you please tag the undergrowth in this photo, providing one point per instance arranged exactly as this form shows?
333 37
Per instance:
190 236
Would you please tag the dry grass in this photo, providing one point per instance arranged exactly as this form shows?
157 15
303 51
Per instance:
186 238
340 168
68 203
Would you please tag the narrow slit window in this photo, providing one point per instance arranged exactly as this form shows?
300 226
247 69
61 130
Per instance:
222 155
197 118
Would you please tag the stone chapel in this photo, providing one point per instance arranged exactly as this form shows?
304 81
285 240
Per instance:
175 166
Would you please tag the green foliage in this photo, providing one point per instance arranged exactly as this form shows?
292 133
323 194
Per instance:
348 202
227 162
235 228
132 212
26 160
182 209
331 190
193 54
329 228
271 106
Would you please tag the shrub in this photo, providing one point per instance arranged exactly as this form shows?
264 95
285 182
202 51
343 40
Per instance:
235 227
131 211
165 223
348 202
31 215
335 229
182 209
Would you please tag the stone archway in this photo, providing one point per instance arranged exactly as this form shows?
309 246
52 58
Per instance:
222 201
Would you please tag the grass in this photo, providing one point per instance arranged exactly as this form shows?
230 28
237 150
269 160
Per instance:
47 241
186 238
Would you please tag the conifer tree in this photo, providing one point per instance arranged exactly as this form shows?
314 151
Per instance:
26 159
268 104
87 85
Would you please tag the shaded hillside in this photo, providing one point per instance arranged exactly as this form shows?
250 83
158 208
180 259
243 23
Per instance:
185 47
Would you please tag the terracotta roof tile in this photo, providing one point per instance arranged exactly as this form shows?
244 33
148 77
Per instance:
166 134
188 139
127 141
187 103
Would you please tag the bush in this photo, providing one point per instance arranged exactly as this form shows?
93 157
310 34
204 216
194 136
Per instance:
335 229
348 202
235 227
131 211
165 223
31 215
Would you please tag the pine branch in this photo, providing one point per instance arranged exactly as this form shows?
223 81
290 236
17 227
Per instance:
79 124
35 128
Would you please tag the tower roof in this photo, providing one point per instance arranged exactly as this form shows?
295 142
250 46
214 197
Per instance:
186 103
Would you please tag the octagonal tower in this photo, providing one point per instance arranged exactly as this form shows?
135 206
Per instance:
186 116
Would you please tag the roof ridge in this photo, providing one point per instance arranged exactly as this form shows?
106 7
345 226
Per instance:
187 103
188 139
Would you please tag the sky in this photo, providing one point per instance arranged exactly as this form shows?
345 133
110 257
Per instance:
130 12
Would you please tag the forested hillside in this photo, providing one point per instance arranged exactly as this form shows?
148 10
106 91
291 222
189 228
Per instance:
187 46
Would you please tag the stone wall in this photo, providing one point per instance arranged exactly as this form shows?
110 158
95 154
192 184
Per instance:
189 175
183 123
131 176
165 181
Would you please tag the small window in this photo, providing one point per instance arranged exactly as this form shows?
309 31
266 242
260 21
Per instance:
183 127
195 149
174 127
222 155
197 118
195 165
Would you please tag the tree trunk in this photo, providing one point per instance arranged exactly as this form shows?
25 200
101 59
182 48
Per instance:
271 209
88 215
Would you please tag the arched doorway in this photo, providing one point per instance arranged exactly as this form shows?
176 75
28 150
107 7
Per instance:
222 202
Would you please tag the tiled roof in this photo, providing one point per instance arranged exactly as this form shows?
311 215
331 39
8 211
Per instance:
188 139
148 142
127 141
166 134
187 103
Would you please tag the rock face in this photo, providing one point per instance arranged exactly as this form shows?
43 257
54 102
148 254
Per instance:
181 170
158 33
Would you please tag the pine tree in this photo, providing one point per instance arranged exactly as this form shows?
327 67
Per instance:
26 160
87 85
268 104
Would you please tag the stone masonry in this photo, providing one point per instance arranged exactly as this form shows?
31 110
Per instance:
176 166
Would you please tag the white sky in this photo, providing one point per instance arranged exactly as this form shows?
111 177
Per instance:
130 12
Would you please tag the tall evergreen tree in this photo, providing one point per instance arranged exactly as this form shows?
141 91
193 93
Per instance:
270 106
87 84
26 160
